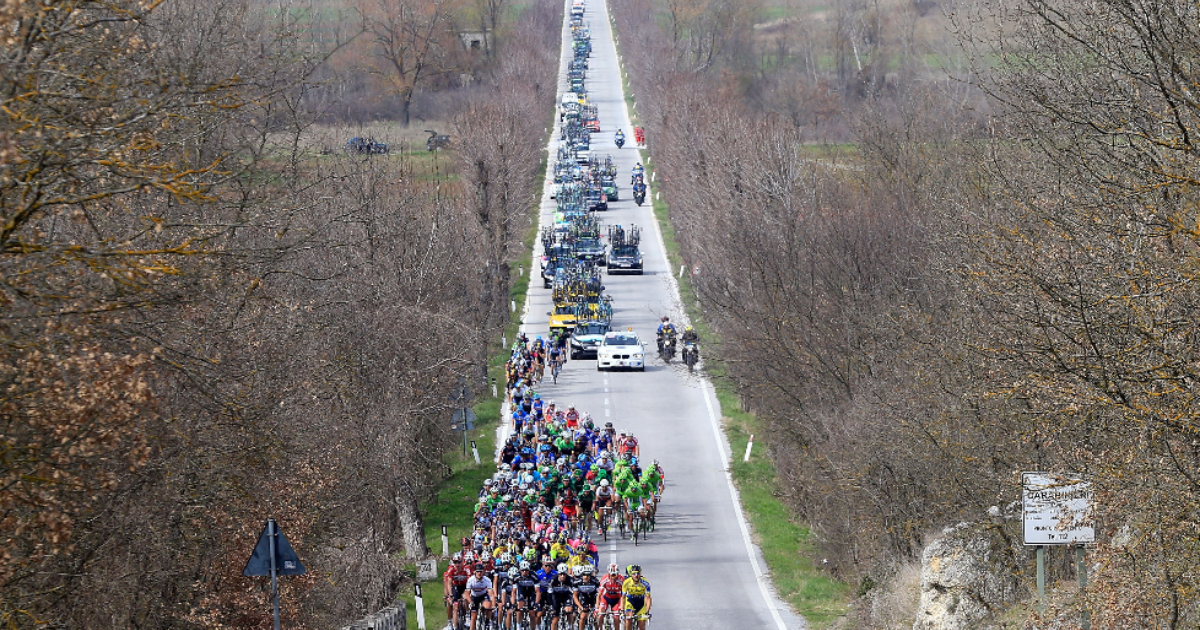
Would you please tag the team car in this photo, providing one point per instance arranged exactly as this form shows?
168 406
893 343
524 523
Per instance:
621 350
586 338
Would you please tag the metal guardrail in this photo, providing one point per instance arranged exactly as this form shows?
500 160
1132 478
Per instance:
390 618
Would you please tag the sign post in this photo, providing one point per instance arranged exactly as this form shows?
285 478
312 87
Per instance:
273 556
1057 510
475 451
420 607
445 542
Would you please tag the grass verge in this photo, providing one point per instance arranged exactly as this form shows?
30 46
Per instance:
787 545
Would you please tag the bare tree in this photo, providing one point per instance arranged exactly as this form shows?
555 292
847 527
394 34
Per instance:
414 43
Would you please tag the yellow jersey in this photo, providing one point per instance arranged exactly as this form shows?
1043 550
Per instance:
635 587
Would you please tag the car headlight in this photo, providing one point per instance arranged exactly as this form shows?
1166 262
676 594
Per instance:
637 355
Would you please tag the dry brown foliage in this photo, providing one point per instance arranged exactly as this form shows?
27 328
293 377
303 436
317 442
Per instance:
204 323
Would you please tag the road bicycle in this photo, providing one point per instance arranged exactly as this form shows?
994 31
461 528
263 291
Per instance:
628 619
555 369
588 617
608 620
604 520
641 525
459 615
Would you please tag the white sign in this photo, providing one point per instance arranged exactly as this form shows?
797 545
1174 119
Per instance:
427 570
1057 508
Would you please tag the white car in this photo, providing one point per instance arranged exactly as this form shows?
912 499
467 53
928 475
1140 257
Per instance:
621 349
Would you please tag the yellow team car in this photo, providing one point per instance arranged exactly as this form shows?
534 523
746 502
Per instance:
562 319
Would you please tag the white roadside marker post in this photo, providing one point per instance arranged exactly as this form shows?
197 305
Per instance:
749 445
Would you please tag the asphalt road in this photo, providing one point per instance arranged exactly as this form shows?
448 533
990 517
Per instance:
703 570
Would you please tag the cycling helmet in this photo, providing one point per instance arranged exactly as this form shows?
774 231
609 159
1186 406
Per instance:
577 571
506 558
587 569
487 482
562 568
478 567
507 498
613 569
582 457
469 556
634 569
525 565
513 573
687 329
457 557
604 483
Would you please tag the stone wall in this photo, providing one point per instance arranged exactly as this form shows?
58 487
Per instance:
390 618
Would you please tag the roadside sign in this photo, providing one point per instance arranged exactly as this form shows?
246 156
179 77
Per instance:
456 422
427 570
286 562
1057 509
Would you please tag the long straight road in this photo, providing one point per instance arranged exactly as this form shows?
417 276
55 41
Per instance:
700 562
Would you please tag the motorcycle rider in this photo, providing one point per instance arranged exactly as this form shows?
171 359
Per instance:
620 138
689 335
666 330
638 171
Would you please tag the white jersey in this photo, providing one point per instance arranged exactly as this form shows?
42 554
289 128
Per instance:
480 586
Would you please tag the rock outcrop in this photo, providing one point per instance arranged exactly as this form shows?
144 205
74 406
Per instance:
968 575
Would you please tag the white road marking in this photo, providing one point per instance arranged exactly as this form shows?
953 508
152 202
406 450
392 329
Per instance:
606 413
605 401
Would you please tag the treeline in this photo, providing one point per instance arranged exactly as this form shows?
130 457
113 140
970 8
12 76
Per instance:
996 277
205 322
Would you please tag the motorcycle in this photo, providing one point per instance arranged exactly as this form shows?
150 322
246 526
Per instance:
691 354
620 140
639 193
666 347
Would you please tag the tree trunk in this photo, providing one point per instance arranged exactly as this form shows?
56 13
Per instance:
412 526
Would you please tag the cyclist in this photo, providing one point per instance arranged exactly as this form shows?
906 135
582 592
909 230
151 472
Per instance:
479 587
655 475
635 598
604 497
454 582
525 594
628 445
610 591
587 591
503 583
587 502
561 593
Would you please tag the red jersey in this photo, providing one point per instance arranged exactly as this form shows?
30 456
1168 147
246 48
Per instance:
458 574
610 587
628 445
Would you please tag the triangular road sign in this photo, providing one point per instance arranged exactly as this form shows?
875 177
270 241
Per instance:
286 560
